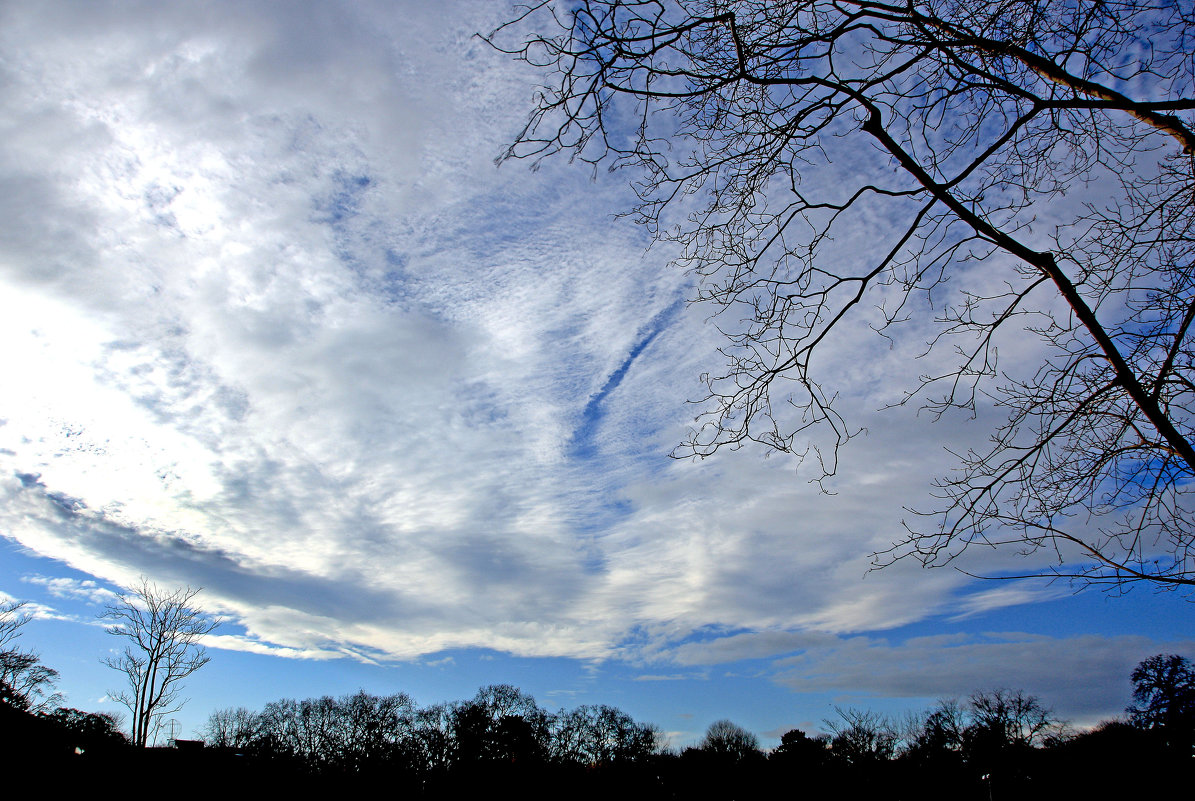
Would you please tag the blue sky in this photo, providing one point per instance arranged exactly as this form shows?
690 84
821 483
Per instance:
276 326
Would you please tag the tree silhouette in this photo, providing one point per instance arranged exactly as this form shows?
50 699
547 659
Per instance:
501 724
797 749
936 742
599 735
862 738
231 728
1005 727
163 631
728 741
1164 696
25 683
88 730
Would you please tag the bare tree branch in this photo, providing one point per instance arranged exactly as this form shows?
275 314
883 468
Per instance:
973 122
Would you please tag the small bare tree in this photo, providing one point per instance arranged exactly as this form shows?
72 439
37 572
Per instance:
1010 170
163 630
862 737
231 728
728 740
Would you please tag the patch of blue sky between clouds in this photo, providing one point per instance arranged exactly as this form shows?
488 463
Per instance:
584 443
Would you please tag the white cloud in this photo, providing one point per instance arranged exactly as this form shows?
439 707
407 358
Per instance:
1009 594
232 642
80 589
33 610
276 327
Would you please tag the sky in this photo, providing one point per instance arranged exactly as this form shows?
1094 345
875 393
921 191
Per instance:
275 325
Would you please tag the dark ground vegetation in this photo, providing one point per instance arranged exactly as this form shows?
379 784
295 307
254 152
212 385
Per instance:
996 744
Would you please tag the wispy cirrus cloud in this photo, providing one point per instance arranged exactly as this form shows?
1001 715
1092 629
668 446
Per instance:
276 326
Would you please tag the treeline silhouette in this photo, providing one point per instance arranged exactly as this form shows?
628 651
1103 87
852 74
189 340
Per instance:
996 744
500 735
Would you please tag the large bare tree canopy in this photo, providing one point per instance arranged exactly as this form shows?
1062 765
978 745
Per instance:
1020 169
163 630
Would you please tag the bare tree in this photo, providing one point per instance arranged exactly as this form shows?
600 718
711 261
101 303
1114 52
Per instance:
24 681
352 734
935 733
231 728
594 735
862 737
372 730
163 630
1009 718
1019 169
730 741
500 723
432 737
